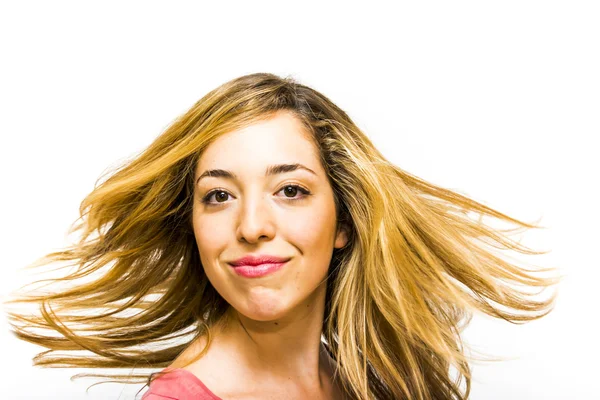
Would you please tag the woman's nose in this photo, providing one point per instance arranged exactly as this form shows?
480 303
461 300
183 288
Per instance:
255 220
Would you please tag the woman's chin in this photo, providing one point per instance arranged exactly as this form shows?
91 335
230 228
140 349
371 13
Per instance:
266 311
264 308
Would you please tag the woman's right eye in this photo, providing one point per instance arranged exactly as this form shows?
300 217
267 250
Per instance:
219 195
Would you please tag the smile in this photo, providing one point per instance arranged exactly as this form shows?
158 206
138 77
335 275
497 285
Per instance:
257 271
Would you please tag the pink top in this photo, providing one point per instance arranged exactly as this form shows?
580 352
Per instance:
179 384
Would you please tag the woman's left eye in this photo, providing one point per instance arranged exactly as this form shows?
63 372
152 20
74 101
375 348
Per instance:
293 190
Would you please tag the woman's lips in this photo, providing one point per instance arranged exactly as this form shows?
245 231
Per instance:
257 259
256 271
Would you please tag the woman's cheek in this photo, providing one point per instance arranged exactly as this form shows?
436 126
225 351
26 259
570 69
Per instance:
211 234
312 229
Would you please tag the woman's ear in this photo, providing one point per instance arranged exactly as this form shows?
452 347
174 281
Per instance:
341 238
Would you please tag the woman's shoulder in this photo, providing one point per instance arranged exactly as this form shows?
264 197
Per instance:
178 384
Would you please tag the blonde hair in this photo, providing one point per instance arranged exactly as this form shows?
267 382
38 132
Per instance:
415 268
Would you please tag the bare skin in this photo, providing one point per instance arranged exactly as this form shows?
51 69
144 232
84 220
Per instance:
222 370
271 346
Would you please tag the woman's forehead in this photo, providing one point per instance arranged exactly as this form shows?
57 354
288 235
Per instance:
278 140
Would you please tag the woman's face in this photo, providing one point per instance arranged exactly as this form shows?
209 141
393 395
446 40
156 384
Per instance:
284 214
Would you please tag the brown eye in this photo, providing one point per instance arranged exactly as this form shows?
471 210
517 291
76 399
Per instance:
290 190
221 196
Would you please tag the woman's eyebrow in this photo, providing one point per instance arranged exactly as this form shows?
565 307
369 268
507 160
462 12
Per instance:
271 170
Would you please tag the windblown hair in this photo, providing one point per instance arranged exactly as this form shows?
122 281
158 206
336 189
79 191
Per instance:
417 263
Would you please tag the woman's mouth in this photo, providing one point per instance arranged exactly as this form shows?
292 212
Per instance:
257 271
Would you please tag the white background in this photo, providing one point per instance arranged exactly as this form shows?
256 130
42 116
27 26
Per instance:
498 100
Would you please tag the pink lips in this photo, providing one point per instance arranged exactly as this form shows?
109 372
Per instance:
254 266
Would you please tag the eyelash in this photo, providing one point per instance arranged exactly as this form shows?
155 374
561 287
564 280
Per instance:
304 191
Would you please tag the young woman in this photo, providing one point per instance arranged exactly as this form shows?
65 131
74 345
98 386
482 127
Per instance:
262 248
